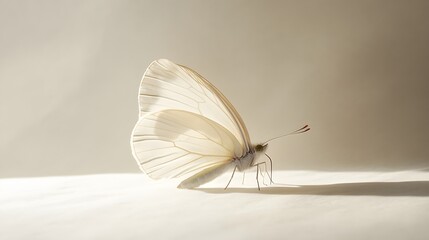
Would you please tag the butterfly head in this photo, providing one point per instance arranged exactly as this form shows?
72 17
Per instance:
261 147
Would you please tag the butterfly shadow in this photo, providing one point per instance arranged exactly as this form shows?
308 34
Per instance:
391 189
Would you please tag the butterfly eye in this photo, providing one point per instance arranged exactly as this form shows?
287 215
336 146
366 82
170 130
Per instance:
261 147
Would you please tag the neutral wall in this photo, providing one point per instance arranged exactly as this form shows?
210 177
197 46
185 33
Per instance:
356 71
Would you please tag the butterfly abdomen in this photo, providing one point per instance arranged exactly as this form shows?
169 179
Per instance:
206 175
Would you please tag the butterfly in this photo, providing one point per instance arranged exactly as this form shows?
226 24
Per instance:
188 129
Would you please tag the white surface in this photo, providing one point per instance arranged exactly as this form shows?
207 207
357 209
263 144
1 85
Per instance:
364 205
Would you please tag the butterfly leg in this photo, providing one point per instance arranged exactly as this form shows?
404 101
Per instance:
235 168
271 168
266 170
244 174
263 175
257 173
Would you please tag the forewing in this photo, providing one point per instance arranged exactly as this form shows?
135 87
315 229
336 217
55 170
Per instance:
173 143
166 85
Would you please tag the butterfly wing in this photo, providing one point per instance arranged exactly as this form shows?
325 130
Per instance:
174 143
166 85
186 126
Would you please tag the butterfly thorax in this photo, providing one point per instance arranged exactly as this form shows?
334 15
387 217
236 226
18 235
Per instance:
244 162
248 160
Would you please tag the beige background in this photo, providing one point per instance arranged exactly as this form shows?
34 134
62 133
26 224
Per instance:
356 71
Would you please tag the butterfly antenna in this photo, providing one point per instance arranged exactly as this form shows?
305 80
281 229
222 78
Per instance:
304 129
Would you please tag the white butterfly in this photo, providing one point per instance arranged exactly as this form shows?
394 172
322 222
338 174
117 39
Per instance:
187 128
